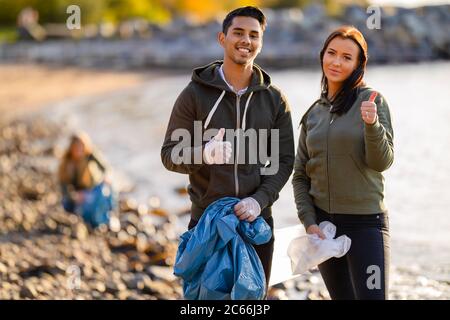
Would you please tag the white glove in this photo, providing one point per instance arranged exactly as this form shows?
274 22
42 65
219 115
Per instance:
216 150
307 252
247 209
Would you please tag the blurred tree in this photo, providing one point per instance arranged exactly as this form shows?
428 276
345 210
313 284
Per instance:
336 7
51 10
55 10
159 11
151 10
208 9
230 5
278 4
9 11
91 11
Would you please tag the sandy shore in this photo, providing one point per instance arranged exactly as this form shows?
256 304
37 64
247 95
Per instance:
29 87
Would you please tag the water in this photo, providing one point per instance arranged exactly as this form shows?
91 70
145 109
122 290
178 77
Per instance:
417 185
129 126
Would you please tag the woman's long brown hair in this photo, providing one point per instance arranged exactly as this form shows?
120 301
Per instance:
347 94
78 137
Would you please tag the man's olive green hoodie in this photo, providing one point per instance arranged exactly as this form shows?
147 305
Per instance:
340 160
207 98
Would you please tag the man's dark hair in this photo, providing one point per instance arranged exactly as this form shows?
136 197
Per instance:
248 11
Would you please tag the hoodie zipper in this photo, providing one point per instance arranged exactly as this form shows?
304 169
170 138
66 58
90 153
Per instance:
238 126
328 158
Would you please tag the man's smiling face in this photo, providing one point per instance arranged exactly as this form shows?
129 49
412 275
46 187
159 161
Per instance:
243 40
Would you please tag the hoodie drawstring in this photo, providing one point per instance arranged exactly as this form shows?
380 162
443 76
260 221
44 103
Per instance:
210 114
214 108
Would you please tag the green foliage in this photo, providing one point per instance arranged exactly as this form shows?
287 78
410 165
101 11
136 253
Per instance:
8 34
151 10
158 11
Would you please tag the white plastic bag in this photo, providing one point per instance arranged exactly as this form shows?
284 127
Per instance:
308 251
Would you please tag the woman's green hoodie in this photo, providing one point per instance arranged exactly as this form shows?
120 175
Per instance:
340 160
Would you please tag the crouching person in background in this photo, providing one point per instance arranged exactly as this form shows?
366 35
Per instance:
85 185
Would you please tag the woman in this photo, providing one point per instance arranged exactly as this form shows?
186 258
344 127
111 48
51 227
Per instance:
84 183
346 142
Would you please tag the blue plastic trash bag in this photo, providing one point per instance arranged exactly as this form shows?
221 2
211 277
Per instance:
216 259
98 203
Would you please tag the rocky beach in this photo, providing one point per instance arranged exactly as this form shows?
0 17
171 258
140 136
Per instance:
46 253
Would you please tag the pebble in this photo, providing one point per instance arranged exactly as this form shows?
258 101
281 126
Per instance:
48 248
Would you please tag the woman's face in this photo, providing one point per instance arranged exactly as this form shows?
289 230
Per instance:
77 150
340 59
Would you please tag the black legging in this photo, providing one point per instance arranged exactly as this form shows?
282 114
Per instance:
264 251
355 275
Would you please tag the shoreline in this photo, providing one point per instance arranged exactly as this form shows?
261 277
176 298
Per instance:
408 282
31 87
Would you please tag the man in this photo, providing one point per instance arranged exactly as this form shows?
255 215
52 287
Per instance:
236 95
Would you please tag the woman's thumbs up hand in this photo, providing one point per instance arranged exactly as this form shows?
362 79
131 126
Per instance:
369 109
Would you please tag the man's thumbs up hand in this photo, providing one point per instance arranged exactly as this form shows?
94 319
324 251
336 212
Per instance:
216 150
219 135
369 109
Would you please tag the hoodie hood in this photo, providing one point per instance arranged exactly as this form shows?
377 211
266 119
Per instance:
209 76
